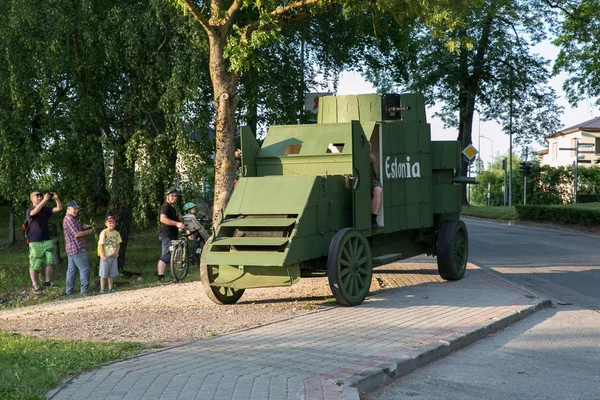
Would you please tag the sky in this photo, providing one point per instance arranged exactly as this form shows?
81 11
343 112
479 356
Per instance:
488 137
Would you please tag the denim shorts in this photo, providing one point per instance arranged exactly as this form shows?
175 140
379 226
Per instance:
166 252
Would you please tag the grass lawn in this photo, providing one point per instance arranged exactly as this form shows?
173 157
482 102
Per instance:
501 213
510 213
30 366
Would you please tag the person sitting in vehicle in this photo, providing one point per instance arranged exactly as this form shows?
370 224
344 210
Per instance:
376 192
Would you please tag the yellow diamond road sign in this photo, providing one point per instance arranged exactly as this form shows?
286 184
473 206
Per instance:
470 152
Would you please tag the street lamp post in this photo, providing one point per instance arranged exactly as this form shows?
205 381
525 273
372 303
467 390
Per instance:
492 143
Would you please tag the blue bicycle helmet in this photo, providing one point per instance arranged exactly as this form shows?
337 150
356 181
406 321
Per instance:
188 206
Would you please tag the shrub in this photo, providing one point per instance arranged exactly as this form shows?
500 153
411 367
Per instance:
588 198
559 215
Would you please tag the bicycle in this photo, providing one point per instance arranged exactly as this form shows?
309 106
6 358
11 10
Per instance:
181 257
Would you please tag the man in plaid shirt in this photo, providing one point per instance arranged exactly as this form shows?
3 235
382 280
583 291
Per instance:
75 248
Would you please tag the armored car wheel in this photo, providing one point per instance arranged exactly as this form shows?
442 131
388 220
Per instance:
452 250
218 294
349 267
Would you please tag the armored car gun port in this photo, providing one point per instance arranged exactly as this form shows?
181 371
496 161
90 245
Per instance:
302 206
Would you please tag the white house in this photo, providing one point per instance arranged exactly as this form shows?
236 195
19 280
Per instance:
587 132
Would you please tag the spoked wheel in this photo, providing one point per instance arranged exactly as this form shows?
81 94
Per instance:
179 261
452 250
218 294
349 267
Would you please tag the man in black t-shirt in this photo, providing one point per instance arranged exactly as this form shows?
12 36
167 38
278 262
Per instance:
41 251
170 222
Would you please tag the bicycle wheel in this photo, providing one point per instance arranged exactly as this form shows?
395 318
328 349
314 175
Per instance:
179 261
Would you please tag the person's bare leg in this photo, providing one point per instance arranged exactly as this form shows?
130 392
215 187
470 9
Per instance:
49 269
110 283
33 276
102 283
376 200
161 267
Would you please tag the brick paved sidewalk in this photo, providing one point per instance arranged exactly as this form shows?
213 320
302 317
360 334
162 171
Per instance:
329 354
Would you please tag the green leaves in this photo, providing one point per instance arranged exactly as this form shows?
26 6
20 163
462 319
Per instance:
579 56
30 366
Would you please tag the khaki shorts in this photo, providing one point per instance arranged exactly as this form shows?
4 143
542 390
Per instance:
40 253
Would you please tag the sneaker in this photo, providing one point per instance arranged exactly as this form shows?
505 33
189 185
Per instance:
164 281
101 292
113 290
36 288
49 284
375 225
66 294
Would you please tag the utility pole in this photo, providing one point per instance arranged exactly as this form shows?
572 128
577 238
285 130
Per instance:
504 186
510 129
525 178
479 139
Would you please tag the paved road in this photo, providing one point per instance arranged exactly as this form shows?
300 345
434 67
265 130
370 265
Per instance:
562 265
554 354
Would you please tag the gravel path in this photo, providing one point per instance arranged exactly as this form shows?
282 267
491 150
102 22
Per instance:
164 314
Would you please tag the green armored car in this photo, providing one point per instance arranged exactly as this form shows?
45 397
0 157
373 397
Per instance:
303 204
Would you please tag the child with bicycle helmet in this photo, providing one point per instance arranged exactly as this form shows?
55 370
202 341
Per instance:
190 208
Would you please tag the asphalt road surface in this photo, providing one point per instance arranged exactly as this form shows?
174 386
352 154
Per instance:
553 354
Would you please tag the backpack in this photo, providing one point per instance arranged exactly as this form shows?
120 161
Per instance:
25 227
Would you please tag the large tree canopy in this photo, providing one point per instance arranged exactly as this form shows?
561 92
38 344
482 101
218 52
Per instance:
485 64
97 100
237 29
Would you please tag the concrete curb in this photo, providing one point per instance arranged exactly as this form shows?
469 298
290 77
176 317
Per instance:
368 380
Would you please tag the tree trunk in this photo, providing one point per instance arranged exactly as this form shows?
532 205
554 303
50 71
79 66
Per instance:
11 227
121 202
469 92
465 124
251 97
226 99
99 196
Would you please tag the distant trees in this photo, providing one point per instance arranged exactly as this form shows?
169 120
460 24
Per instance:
546 185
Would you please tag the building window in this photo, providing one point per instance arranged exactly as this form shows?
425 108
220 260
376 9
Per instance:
554 150
597 146
574 146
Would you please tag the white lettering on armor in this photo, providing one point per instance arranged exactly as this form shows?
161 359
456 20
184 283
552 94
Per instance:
401 170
